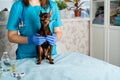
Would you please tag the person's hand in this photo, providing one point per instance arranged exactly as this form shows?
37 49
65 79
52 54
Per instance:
52 39
36 39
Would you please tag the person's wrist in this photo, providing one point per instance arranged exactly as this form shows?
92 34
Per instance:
30 41
56 38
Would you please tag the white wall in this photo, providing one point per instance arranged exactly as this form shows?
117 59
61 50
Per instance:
6 4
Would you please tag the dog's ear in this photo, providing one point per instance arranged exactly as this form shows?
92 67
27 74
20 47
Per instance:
50 12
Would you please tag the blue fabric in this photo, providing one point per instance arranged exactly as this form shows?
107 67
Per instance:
69 66
32 25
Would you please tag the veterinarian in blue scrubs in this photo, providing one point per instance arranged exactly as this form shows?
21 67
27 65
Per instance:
24 23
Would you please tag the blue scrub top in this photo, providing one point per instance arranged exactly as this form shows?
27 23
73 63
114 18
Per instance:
32 25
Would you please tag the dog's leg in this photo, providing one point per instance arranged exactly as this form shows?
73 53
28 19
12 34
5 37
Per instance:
50 54
40 53
46 54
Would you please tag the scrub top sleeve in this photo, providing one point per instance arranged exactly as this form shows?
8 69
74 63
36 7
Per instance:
13 20
57 22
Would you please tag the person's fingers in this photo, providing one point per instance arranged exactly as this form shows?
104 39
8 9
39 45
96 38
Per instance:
37 34
42 38
50 38
39 37
41 41
52 43
48 35
53 34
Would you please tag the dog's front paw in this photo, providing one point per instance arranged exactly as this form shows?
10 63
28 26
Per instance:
51 62
38 62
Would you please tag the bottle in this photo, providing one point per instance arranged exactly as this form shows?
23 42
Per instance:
13 66
5 62
1 69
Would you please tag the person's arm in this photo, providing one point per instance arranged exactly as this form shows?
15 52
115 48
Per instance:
36 39
14 37
58 32
52 39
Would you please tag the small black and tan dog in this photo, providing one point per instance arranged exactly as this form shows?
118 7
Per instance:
45 50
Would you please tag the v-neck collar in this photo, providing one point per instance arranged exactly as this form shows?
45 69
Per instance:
36 9
34 5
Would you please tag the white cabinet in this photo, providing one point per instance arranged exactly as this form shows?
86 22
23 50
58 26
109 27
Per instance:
105 30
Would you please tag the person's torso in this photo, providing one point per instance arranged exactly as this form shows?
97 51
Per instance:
31 19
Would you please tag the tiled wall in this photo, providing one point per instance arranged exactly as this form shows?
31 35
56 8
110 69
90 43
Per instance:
75 36
5 45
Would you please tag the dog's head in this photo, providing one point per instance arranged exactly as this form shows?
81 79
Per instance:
45 18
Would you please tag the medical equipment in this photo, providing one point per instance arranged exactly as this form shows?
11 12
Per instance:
13 66
22 23
0 69
5 62
18 76
22 20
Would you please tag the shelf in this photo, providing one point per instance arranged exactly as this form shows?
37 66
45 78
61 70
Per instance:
105 38
114 27
98 0
98 25
114 0
103 0
75 19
